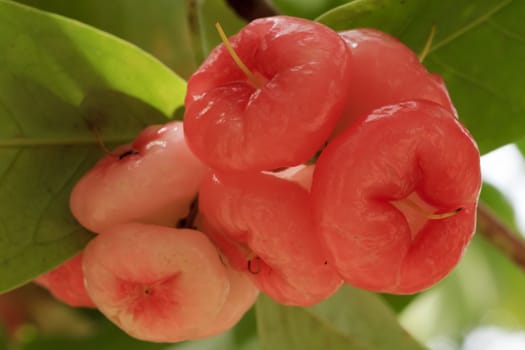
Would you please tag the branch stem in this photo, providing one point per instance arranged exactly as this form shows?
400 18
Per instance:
501 236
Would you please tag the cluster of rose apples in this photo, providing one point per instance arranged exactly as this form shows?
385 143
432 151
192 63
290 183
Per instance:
193 220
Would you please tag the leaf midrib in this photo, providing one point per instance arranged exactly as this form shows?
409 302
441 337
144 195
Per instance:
26 142
470 26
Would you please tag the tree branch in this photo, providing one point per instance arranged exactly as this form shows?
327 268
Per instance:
252 9
501 236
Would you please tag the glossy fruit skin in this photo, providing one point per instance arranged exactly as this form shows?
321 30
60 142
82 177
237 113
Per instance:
66 283
231 125
385 72
241 297
264 226
153 180
382 158
156 283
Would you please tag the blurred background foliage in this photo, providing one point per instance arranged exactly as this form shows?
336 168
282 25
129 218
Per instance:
486 289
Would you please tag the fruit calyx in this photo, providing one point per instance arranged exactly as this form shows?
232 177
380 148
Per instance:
418 212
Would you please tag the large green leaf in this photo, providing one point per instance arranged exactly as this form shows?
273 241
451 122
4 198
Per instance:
478 49
351 319
161 27
59 79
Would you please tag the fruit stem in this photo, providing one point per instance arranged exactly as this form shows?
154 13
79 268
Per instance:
251 77
500 235
431 216
106 150
428 44
100 141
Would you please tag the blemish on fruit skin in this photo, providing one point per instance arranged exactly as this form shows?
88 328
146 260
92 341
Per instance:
254 265
127 154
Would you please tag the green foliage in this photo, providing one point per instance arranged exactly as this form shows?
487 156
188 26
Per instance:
392 16
108 337
104 335
306 8
351 319
161 27
60 79
478 49
209 12
521 146
242 337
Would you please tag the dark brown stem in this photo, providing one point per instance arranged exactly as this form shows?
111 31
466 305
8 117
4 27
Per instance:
252 9
501 236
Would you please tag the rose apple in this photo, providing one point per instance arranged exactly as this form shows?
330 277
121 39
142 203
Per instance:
263 225
385 71
395 197
152 180
303 69
156 283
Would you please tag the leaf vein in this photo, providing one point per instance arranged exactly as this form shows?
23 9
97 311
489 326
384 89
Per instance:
334 329
56 194
10 166
470 79
10 115
470 26
509 33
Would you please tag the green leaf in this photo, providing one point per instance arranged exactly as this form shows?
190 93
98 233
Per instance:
306 8
107 337
209 12
161 27
398 302
521 146
241 337
59 79
478 49
351 319
392 16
